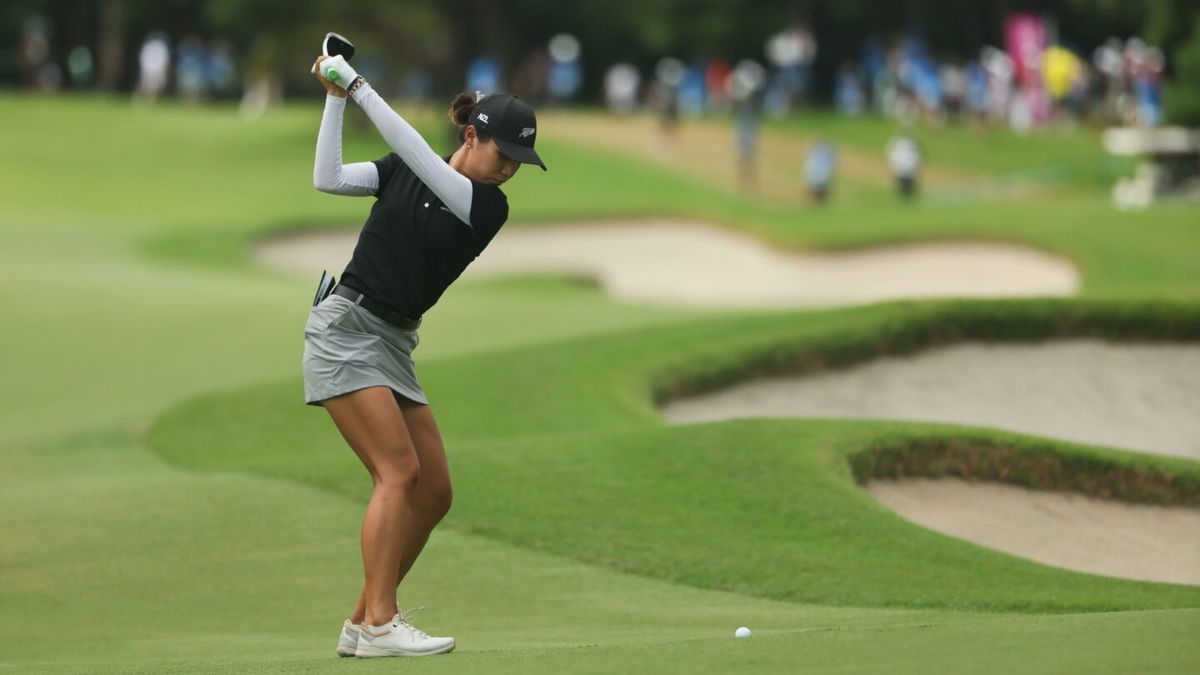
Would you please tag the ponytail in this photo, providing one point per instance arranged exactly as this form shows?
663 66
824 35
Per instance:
460 109
460 113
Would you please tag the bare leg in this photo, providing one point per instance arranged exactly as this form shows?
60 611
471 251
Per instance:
429 501
372 424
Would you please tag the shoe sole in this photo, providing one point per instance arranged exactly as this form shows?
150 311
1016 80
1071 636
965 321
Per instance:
347 649
371 653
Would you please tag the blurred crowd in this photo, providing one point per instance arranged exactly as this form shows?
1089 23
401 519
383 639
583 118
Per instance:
192 70
1036 78
1036 75
1032 81
1022 86
718 86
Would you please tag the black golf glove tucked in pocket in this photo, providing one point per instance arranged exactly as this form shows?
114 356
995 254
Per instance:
325 287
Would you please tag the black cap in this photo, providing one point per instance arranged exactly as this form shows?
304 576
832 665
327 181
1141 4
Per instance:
511 122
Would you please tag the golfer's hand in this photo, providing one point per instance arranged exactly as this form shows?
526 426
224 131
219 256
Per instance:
330 88
345 72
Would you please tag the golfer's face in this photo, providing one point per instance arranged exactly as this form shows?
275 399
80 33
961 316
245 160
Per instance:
487 164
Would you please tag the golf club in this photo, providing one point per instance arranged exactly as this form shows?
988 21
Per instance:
334 45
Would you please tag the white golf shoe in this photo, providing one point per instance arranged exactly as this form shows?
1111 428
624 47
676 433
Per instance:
348 640
399 638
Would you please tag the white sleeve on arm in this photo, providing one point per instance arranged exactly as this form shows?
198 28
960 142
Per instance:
329 175
453 188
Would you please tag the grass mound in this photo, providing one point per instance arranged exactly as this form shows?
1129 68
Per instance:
904 328
1044 467
579 464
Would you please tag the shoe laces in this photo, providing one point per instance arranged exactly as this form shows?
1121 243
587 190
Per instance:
406 623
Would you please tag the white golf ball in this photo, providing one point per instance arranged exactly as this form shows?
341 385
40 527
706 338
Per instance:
742 632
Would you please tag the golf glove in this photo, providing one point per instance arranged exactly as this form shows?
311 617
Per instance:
345 73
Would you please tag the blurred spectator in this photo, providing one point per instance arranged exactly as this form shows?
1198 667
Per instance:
999 68
1062 75
874 69
1147 75
791 54
746 123
80 66
904 159
566 68
221 75
848 91
621 84
261 92
977 92
819 168
716 84
920 78
154 64
1109 64
746 86
37 69
692 95
191 70
953 80
776 100
1025 36
668 75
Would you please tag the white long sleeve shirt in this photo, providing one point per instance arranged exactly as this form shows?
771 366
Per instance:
362 178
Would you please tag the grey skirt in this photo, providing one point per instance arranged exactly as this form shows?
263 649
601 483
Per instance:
347 348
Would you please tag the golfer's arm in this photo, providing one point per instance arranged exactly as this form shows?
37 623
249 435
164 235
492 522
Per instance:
329 174
453 188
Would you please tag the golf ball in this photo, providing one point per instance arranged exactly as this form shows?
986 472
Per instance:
742 632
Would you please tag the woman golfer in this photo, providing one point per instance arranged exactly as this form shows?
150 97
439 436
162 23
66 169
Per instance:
430 219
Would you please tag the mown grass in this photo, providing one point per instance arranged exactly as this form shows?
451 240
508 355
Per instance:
1118 643
578 463
242 567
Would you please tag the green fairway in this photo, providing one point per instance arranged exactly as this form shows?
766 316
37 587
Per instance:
169 496
777 495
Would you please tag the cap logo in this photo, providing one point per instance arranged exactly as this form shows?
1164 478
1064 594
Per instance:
483 117
526 132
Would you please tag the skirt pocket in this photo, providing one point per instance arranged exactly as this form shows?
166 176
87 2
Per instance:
327 314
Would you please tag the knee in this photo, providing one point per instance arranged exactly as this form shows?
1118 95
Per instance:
401 477
433 502
402 483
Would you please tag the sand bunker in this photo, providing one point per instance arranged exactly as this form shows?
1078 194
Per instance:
1152 543
1138 397
680 263
1142 397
